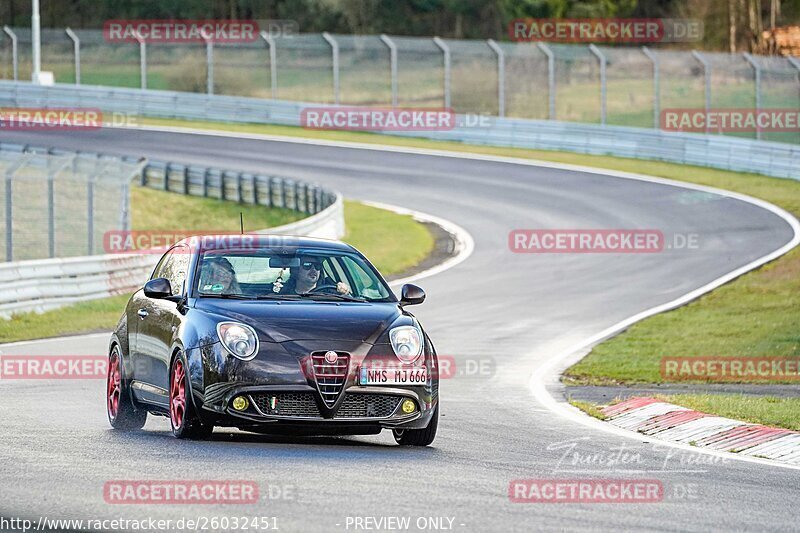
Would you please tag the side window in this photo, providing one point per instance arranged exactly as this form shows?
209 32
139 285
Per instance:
174 266
158 271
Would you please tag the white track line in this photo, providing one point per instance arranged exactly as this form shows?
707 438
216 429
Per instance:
554 366
464 242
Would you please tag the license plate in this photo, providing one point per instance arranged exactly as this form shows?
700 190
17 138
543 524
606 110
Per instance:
393 376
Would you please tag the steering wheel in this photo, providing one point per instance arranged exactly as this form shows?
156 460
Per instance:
324 289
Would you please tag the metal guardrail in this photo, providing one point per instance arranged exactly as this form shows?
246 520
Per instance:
623 85
42 284
94 169
716 151
60 204
45 284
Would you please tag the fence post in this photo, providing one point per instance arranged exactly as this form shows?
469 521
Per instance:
656 86
10 172
501 77
9 218
167 169
14 55
52 172
335 56
707 76
603 87
76 45
392 65
209 64
273 67
90 215
142 60
185 179
757 71
551 78
446 58
270 200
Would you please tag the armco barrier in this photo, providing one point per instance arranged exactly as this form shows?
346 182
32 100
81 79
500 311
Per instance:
42 284
775 159
49 283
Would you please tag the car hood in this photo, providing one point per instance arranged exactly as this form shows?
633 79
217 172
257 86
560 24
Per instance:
307 320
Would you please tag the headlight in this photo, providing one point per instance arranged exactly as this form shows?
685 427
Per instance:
406 343
239 339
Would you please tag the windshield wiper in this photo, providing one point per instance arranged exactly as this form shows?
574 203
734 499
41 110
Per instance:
344 297
276 297
226 296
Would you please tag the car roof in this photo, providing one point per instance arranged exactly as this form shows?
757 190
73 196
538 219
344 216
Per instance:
218 241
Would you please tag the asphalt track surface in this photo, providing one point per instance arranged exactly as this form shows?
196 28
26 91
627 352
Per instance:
516 310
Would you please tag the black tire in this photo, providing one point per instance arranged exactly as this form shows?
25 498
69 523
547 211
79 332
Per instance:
122 413
185 422
418 437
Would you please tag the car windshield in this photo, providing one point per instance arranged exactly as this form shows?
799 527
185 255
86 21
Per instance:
316 274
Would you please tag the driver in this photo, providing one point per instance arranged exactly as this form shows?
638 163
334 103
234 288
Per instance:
309 277
218 277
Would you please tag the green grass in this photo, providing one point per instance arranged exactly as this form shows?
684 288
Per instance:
196 213
588 408
766 410
393 242
83 317
756 315
779 412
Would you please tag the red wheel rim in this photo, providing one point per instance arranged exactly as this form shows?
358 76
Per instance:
114 383
177 394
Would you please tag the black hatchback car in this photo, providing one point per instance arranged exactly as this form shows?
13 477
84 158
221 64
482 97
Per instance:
272 334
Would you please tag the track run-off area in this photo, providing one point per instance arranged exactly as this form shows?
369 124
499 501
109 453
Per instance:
505 315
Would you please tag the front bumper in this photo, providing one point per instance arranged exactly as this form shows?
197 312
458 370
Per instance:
282 398
361 410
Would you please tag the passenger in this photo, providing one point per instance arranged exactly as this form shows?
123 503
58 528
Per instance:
309 277
218 277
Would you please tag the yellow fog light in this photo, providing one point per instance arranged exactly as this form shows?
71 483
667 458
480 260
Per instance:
240 403
409 406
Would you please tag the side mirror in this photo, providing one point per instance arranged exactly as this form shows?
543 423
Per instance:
158 288
411 295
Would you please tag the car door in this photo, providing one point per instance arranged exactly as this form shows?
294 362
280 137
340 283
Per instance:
159 321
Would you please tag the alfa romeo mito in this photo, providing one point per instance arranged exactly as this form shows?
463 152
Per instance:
273 335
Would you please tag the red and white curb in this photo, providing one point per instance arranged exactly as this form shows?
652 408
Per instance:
670 422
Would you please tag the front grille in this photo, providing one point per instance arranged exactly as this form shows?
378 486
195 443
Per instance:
302 405
357 405
330 377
